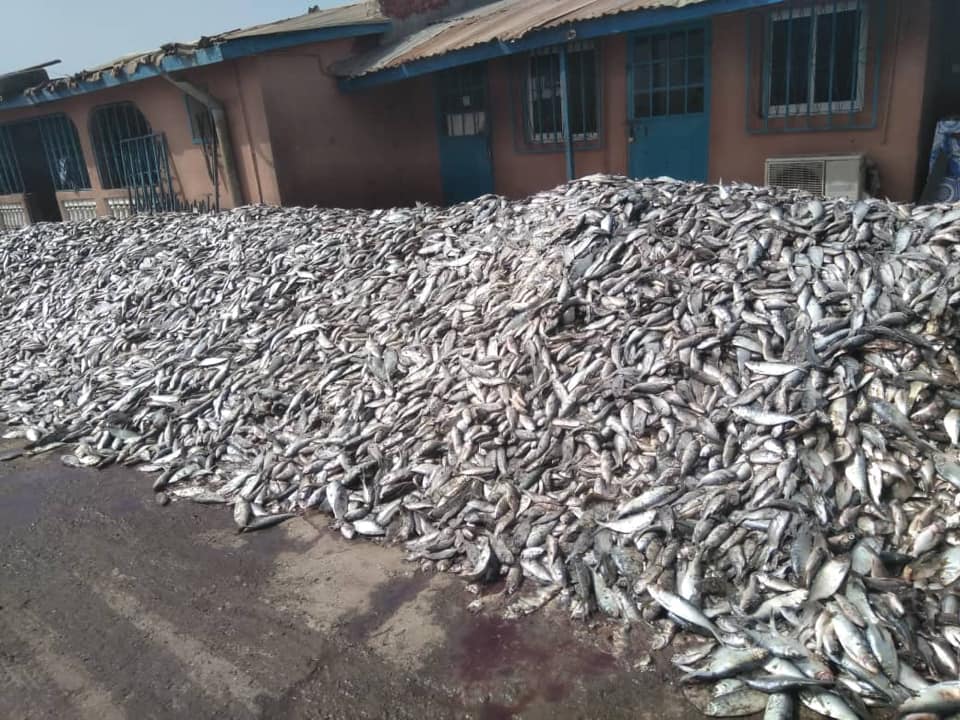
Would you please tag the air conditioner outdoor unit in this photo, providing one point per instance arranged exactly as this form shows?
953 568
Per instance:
839 176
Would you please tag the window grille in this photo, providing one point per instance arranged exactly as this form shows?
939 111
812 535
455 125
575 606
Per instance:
110 125
668 73
817 58
201 120
10 180
463 100
61 145
544 115
816 66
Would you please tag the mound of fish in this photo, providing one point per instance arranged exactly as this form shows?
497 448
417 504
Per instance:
727 411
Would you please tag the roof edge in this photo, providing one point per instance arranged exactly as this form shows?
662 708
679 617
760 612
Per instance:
200 57
582 30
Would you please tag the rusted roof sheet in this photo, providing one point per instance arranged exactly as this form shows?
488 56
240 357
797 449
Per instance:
361 13
504 21
357 14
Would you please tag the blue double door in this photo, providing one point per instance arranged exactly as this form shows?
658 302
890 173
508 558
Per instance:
466 165
669 102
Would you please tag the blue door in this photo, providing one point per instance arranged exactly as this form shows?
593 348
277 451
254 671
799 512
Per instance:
669 102
465 163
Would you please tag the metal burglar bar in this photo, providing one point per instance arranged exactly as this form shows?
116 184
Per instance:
463 101
146 173
10 181
820 66
110 125
61 145
201 120
544 108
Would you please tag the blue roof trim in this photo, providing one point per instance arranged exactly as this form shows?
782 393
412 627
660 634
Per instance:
599 27
228 50
256 44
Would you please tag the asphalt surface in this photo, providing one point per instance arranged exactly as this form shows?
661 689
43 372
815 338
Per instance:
114 607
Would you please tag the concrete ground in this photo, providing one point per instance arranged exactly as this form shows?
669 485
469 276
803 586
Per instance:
114 607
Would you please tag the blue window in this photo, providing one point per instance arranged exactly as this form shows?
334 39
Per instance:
816 59
201 121
110 125
544 116
61 145
10 181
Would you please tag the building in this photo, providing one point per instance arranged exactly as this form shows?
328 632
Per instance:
440 100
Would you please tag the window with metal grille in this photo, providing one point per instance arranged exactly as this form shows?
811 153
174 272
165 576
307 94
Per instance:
544 108
10 180
816 59
110 125
201 121
61 146
668 73
463 100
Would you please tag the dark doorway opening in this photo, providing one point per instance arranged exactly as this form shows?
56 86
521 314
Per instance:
40 193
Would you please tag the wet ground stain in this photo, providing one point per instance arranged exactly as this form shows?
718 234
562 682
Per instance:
384 602
492 652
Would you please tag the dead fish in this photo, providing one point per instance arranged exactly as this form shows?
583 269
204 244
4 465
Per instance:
829 704
683 609
780 706
942 699
736 703
735 396
265 521
774 684
829 578
727 662
241 513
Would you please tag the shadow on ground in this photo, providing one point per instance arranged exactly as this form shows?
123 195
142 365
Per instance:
113 607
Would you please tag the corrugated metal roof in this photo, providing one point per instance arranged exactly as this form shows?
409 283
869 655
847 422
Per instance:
361 13
502 21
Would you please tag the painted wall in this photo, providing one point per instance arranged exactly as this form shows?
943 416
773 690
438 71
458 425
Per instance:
520 168
367 149
236 84
736 154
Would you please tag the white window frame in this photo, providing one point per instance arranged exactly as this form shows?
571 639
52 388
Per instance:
821 108
552 138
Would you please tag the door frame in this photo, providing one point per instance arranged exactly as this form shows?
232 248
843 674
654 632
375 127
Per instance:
707 25
439 116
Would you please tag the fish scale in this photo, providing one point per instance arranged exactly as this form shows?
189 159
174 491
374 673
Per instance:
722 406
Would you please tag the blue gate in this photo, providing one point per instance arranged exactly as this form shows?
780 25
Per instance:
669 102
466 167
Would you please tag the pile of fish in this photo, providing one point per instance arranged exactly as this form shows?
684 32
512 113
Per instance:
723 410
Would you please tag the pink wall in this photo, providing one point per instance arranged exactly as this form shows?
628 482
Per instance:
237 84
300 140
366 149
163 106
519 169
736 154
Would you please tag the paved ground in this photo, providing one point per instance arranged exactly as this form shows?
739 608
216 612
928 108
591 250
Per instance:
114 607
